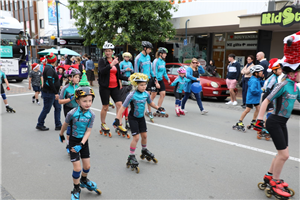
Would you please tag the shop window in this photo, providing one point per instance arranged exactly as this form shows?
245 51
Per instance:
21 4
219 52
42 26
16 5
32 29
30 3
26 3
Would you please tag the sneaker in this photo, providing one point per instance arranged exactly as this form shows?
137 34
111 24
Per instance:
229 103
243 106
42 128
235 103
38 103
58 128
203 112
184 111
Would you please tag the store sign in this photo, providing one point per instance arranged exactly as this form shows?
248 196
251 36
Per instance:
10 66
242 37
242 44
285 17
69 32
6 51
72 42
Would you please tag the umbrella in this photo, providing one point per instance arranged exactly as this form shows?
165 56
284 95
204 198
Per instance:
63 51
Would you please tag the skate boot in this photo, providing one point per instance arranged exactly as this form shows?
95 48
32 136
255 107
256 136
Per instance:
160 114
75 194
111 105
148 155
121 130
182 112
90 185
10 109
253 122
177 112
239 126
263 133
149 114
133 163
105 130
276 189
127 126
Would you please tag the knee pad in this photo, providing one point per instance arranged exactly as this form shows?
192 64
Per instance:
268 115
68 130
3 96
179 102
76 175
85 171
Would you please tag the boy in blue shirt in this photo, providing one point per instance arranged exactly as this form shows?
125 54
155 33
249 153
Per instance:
137 100
82 120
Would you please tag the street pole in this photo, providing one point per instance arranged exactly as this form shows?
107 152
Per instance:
58 40
186 28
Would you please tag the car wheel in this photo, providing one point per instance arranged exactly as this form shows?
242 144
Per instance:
19 80
221 98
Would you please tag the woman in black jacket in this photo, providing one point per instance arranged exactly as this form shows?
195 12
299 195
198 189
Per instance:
109 82
211 68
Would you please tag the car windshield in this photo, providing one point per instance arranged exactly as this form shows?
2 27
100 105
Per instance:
206 73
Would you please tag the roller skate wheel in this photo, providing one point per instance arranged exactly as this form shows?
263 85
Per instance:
128 136
291 191
234 128
98 191
154 115
155 160
100 132
132 169
137 169
249 127
142 157
258 136
158 115
119 133
268 192
152 120
148 158
267 138
167 115
109 134
244 130
123 135
105 134
261 185
127 165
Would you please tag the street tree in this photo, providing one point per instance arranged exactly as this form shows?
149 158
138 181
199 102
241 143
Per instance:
123 22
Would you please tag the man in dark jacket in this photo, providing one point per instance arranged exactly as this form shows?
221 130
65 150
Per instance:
50 94
260 56
233 74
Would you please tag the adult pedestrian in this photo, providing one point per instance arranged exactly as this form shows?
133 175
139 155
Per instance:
193 75
50 94
211 68
246 76
260 56
90 67
78 63
109 81
68 60
84 59
233 74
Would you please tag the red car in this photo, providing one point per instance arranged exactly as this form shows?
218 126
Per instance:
211 86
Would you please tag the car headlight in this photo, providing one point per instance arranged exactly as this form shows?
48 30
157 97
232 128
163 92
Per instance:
214 84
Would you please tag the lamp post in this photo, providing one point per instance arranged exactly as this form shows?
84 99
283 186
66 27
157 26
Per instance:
186 28
57 24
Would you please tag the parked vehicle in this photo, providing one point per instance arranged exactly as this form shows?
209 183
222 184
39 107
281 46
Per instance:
211 86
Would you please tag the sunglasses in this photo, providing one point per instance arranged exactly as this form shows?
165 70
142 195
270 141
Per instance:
194 62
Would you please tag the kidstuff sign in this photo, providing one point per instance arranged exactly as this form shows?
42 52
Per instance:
285 17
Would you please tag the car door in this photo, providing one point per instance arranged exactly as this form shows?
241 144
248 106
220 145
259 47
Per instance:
168 69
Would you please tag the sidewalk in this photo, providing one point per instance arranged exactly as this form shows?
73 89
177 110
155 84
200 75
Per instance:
239 95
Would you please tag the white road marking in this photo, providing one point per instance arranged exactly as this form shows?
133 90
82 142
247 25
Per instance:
195 134
15 85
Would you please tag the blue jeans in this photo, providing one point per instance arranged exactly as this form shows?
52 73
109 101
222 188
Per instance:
49 100
187 95
244 90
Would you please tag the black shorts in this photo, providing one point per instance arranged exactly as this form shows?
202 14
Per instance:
251 105
150 85
158 90
2 89
36 88
106 92
137 125
83 153
270 105
276 125
178 95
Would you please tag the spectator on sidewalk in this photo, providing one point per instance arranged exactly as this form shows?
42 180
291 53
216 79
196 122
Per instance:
211 68
246 76
90 67
260 56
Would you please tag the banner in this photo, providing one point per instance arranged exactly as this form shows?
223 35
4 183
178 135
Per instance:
52 12
242 44
285 17
6 51
10 66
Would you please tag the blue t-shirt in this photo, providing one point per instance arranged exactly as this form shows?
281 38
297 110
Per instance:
66 92
2 76
142 64
81 121
159 69
137 101
254 90
179 82
124 65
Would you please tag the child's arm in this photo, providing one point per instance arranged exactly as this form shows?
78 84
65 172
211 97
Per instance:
119 116
86 135
64 101
62 130
175 81
29 80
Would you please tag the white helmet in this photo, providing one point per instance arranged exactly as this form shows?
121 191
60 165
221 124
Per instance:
108 45
256 68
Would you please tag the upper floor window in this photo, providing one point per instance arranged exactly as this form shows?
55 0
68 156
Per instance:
42 23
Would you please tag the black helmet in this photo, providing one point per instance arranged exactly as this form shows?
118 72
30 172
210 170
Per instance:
286 69
162 50
84 91
147 44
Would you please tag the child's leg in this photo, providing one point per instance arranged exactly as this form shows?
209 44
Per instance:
246 111
133 143
85 169
279 161
76 173
144 140
256 112
36 95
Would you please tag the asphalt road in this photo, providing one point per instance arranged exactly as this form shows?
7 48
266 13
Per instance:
199 156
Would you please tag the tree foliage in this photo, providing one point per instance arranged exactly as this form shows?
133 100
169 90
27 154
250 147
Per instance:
99 21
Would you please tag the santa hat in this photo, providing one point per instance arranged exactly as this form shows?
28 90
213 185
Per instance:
51 58
42 59
274 63
34 66
76 66
67 67
291 51
60 66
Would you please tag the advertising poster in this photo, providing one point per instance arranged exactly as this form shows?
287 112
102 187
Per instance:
10 66
52 12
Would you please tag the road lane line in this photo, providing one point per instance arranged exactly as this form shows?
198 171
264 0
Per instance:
15 85
213 138
22 94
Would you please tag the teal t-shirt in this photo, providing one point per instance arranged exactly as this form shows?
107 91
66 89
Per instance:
2 76
66 92
137 101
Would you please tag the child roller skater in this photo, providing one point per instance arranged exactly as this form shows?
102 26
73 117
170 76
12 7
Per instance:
179 84
82 120
66 97
3 78
137 99
253 95
36 81
285 94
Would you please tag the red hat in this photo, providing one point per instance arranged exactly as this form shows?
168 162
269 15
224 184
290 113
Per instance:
34 65
274 63
67 67
291 51
76 66
42 59
60 66
51 58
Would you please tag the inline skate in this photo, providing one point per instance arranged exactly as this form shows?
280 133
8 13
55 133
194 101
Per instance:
251 124
239 126
266 183
10 109
105 130
111 105
276 188
75 194
150 115
177 111
90 185
148 155
181 112
127 126
122 131
160 114
263 133
133 163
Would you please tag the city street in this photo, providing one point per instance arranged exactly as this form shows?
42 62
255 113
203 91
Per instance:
199 156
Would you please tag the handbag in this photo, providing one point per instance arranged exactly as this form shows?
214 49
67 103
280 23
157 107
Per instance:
241 81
